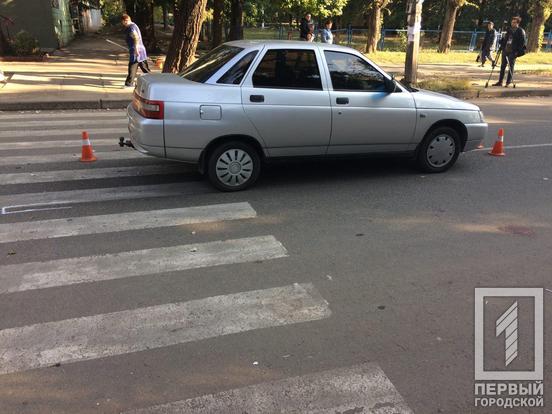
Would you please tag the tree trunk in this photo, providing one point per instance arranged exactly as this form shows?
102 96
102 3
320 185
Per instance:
185 35
130 7
165 17
536 31
236 20
218 6
141 12
373 23
445 42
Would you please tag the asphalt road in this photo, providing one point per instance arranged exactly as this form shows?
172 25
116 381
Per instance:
359 274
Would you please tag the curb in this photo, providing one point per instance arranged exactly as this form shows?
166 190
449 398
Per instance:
65 105
497 93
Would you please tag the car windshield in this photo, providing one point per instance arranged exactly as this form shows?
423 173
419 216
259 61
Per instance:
206 66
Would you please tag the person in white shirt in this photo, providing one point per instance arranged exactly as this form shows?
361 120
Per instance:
327 35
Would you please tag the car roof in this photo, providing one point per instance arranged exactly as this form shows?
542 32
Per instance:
288 43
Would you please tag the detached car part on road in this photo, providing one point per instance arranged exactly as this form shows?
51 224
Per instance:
248 101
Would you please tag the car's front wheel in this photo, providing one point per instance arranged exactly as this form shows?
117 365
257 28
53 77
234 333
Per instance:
439 150
233 166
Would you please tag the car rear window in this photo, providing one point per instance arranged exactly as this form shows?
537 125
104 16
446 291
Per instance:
206 66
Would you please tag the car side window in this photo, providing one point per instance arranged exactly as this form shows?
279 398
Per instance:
351 73
235 74
288 69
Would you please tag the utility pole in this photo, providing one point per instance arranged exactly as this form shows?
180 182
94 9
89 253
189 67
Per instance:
414 16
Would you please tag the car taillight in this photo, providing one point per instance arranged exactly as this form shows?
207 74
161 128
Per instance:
148 109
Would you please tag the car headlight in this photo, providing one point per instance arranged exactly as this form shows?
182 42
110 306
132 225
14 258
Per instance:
481 117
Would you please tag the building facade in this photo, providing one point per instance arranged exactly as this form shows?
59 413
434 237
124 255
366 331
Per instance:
53 23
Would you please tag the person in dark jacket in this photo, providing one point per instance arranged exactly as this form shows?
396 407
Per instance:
306 27
512 45
488 44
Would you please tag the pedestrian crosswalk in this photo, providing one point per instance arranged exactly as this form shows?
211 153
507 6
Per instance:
100 336
360 389
55 340
49 229
67 157
89 174
63 272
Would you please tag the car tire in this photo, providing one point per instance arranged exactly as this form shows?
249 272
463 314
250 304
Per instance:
233 166
439 150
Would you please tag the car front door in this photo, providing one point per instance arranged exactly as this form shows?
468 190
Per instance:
285 99
366 117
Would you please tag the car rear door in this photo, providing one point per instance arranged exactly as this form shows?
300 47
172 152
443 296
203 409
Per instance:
366 117
285 99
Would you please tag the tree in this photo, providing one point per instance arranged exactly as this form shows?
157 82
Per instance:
374 21
189 17
451 11
218 7
541 11
236 20
321 8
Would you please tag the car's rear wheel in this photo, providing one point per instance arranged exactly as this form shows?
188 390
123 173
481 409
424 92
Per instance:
233 166
439 150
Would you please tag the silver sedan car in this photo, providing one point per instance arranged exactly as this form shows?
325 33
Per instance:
246 102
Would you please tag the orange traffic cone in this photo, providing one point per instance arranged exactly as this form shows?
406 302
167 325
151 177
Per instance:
498 148
159 63
87 151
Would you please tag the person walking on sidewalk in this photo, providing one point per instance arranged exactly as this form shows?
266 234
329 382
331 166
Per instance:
512 45
488 44
137 51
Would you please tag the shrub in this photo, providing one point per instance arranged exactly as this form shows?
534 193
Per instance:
24 44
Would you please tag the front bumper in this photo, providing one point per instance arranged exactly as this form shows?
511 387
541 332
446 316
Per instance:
147 135
476 135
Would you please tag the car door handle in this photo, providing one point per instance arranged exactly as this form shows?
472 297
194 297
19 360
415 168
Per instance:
342 101
256 98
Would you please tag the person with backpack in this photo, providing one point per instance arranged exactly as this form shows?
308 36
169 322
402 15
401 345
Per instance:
512 46
488 44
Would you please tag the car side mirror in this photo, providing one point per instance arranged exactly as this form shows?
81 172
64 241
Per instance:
390 85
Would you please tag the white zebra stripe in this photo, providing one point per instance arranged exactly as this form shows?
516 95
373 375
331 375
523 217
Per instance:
63 272
17 203
117 333
68 157
108 223
60 115
60 132
16 125
90 174
359 389
62 143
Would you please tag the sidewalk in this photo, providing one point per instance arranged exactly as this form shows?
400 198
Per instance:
90 72
527 84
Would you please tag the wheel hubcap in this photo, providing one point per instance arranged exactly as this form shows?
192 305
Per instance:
234 167
441 151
